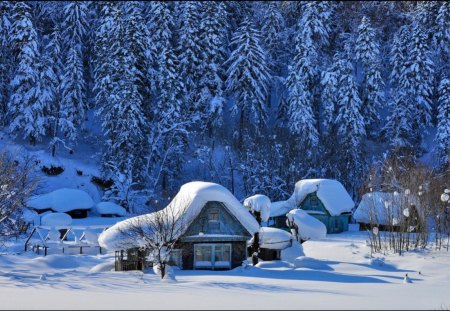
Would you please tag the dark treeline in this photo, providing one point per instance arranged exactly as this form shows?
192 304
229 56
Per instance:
253 95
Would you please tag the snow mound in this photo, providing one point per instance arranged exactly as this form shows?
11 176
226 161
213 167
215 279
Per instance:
274 238
29 215
103 267
259 203
310 263
280 208
331 192
56 219
62 200
291 253
185 206
309 228
110 208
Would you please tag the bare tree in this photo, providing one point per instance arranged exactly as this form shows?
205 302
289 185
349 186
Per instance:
17 182
157 233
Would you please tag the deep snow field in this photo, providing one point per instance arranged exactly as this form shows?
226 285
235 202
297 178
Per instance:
337 273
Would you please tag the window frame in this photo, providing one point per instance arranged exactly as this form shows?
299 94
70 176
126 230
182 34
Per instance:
212 247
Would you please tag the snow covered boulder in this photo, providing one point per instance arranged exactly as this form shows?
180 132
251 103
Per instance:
291 253
108 209
56 220
308 227
259 203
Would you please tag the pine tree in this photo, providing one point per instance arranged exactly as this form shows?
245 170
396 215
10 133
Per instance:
272 29
189 51
350 126
5 64
248 76
74 85
368 55
25 105
211 83
443 126
123 119
442 37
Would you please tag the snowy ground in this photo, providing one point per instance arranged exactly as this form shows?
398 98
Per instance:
337 274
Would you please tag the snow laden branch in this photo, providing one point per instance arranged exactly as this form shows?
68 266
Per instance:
157 233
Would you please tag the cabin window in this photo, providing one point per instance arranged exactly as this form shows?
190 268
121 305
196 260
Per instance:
211 256
213 220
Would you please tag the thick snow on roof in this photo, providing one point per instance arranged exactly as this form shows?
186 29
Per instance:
309 228
110 208
274 238
62 200
259 203
56 219
188 203
280 208
383 207
331 192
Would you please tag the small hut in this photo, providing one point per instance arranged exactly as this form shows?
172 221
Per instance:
74 202
325 199
214 235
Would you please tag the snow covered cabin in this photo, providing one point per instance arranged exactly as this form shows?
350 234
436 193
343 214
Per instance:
387 209
325 199
74 202
214 233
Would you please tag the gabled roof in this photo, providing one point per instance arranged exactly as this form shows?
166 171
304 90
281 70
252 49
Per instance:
190 200
331 192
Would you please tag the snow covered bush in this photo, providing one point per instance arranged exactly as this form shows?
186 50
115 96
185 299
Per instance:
17 182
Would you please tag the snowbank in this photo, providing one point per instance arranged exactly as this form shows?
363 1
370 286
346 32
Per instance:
186 205
382 207
56 219
259 203
274 238
62 200
308 226
110 208
331 192
280 208
291 253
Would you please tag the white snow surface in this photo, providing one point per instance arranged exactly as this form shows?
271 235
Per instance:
331 192
309 228
56 219
336 273
62 200
382 206
110 208
259 203
274 238
188 203
280 208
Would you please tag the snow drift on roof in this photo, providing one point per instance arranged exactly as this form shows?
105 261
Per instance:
280 208
308 226
331 192
62 200
110 208
56 219
274 238
383 207
188 202
259 203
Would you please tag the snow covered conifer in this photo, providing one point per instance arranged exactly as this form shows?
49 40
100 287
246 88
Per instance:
368 54
272 29
74 85
248 76
211 82
443 126
26 109
5 61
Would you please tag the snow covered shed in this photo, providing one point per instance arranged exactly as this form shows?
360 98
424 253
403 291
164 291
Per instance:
214 230
325 199
387 209
74 202
110 209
